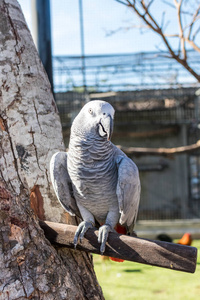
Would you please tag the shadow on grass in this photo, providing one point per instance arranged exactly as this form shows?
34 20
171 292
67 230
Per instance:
132 271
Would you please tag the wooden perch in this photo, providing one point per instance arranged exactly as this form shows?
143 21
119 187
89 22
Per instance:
160 151
154 253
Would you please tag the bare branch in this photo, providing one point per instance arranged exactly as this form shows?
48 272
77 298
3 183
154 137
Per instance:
150 21
193 21
155 28
195 34
121 2
171 35
150 4
149 15
193 44
176 3
129 3
173 6
161 151
111 32
161 51
182 39
168 3
163 20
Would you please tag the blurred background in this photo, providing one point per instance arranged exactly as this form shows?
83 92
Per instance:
144 59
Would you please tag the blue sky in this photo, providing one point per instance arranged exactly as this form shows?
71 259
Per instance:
100 17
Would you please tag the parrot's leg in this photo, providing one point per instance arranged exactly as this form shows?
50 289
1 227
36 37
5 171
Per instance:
111 220
88 222
81 230
103 236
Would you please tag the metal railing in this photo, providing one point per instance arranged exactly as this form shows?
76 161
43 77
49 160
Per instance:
122 72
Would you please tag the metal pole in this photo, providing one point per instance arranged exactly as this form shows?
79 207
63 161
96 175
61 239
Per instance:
82 45
34 22
42 34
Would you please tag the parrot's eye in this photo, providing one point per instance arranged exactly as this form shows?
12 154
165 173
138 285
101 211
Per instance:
90 111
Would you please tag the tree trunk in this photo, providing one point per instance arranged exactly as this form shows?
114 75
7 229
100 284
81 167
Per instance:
30 132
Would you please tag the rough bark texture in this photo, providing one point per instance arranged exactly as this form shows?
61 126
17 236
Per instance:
30 132
30 267
31 125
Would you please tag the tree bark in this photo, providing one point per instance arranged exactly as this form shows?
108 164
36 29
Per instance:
30 132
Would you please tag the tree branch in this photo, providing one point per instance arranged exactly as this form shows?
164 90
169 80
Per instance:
154 253
157 28
181 35
152 24
161 151
168 3
121 2
193 44
193 21
171 35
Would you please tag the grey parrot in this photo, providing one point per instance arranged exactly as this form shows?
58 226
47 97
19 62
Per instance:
95 180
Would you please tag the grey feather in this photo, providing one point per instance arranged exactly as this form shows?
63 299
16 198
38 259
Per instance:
128 191
62 184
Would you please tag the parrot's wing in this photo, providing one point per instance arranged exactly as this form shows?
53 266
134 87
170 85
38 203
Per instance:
128 191
62 184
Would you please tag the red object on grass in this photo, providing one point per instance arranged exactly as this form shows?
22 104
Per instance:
186 239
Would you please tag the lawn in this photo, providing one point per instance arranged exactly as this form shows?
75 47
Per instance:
128 280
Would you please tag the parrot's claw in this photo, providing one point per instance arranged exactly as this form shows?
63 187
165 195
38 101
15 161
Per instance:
103 236
81 230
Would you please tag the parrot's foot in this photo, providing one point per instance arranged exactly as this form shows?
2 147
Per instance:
81 230
103 236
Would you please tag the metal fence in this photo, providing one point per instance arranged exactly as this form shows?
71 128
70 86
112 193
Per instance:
122 72
166 106
156 106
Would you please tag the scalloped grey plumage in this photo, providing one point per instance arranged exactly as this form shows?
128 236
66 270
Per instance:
95 179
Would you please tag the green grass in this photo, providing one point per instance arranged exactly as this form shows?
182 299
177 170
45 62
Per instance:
128 280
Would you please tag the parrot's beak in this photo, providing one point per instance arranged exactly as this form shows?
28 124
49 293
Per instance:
106 126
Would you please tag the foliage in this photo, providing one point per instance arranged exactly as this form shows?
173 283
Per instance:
130 280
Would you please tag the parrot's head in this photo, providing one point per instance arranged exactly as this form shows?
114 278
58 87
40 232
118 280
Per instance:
95 120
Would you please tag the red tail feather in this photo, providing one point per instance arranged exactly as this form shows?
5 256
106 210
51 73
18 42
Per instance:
117 259
121 230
